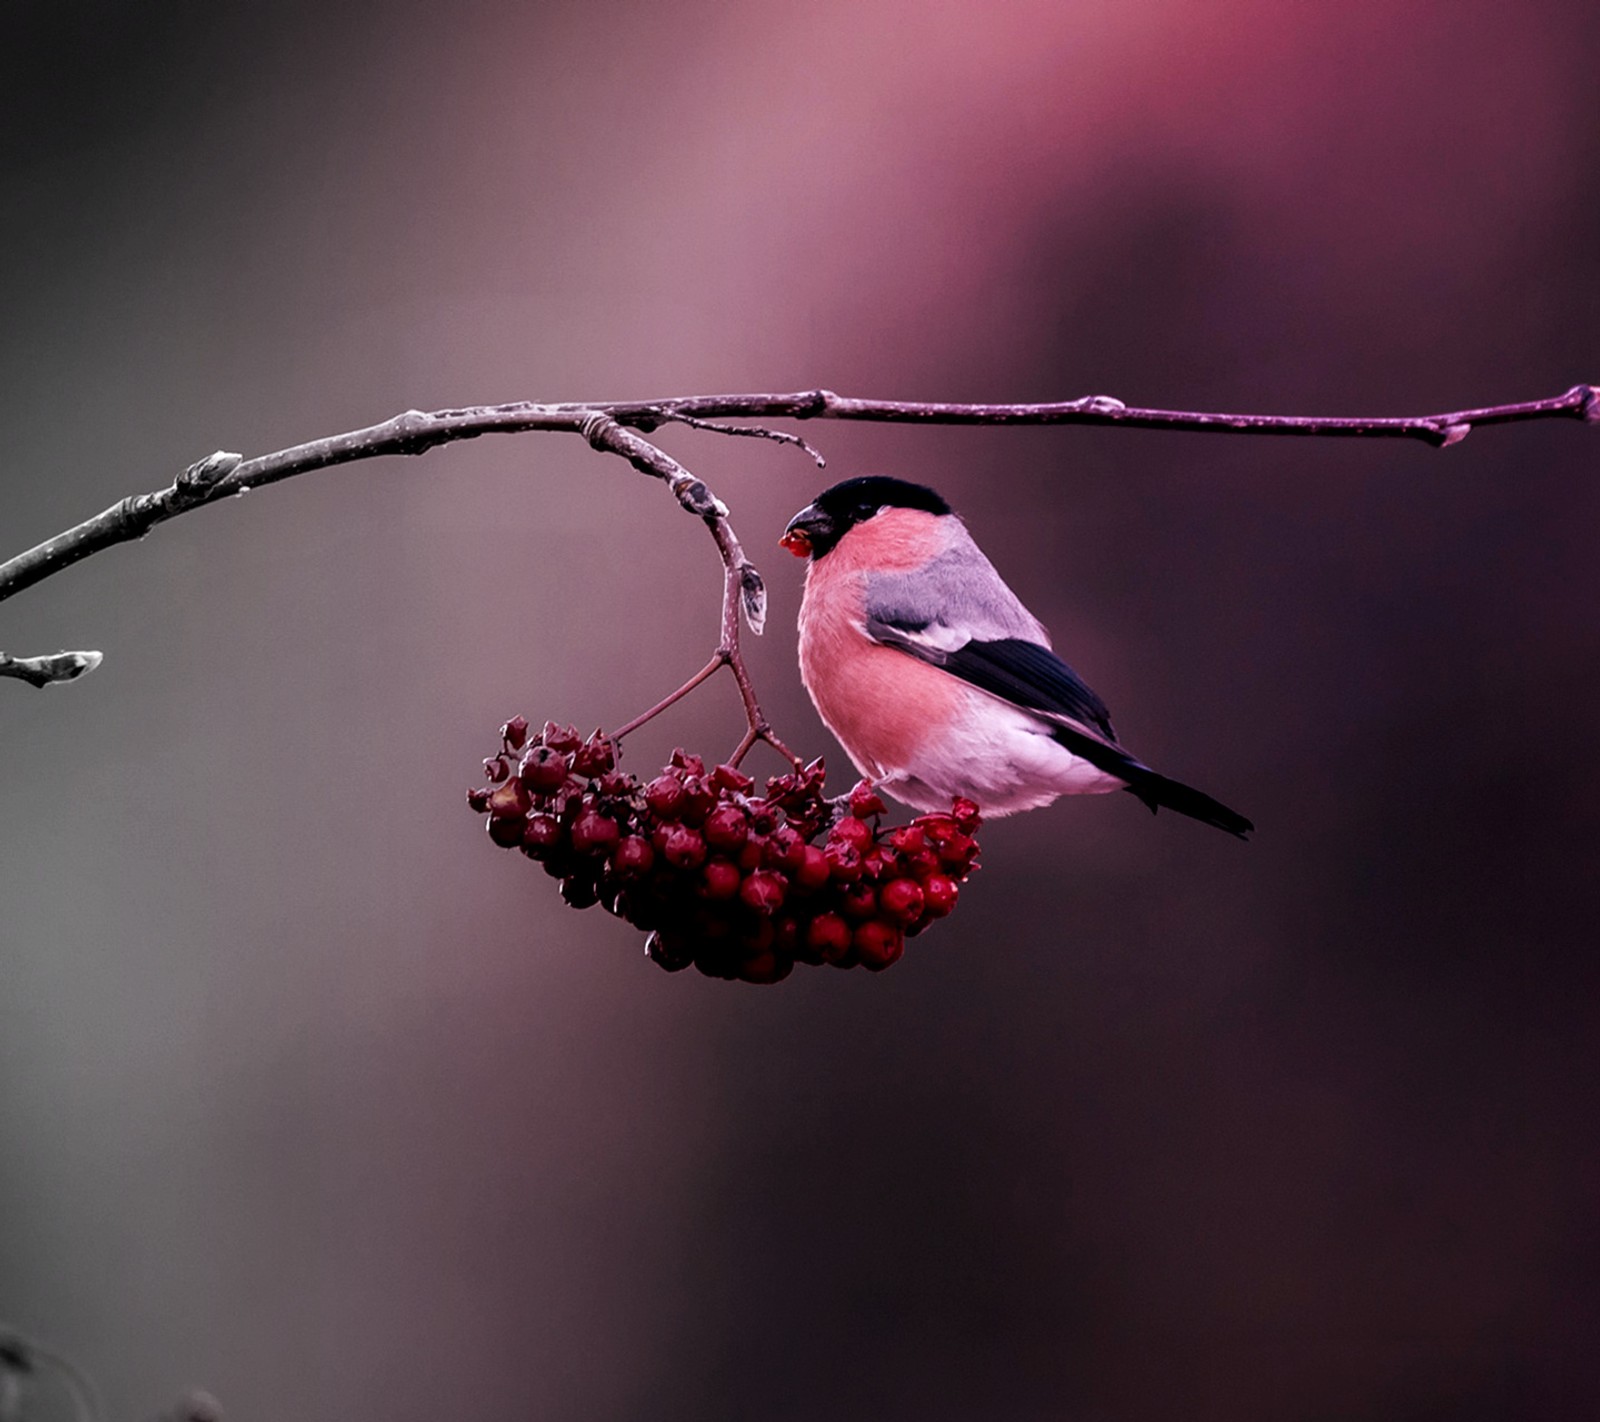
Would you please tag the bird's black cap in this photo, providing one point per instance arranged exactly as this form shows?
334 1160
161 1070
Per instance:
834 512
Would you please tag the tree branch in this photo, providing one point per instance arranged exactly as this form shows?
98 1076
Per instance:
616 427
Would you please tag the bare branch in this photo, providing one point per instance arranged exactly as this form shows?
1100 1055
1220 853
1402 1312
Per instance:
615 426
414 433
1580 402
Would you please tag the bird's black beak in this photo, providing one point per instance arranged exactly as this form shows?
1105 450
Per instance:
807 530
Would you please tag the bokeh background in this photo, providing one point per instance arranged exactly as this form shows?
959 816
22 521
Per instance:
310 1097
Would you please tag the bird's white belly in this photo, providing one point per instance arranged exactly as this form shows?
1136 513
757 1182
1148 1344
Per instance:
1003 758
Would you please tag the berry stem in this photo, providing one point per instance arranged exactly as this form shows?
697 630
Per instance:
707 670
736 571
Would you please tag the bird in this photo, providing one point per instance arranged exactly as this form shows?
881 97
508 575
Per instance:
935 678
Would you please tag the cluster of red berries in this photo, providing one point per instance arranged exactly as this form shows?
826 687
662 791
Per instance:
739 885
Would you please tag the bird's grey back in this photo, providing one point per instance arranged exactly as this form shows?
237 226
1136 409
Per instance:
954 598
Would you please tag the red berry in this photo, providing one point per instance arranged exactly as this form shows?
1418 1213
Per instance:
763 891
515 732
829 936
715 961
633 856
506 830
785 849
684 848
966 815
879 943
543 770
814 869
560 738
686 762
579 890
758 936
860 900
939 894
699 800
594 757
765 968
495 769
664 795
478 799
673 952
880 864
958 852
864 801
851 831
902 900
720 879
543 834
752 855
594 833
726 827
844 860
509 799
786 937
727 777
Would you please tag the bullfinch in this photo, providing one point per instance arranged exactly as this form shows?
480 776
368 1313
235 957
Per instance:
936 679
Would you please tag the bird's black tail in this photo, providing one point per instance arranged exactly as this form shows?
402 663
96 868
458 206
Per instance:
1157 791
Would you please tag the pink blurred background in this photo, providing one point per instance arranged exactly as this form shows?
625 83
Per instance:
310 1097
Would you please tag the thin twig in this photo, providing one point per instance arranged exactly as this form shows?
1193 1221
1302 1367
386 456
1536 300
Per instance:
750 432
742 589
711 668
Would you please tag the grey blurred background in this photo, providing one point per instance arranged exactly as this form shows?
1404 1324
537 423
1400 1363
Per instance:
309 1096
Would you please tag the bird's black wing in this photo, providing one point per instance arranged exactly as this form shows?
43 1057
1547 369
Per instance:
1021 672
1033 677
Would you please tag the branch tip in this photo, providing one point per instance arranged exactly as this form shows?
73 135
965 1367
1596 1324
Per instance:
1453 434
46 671
646 423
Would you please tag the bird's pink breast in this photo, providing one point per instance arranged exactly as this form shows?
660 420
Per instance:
881 704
